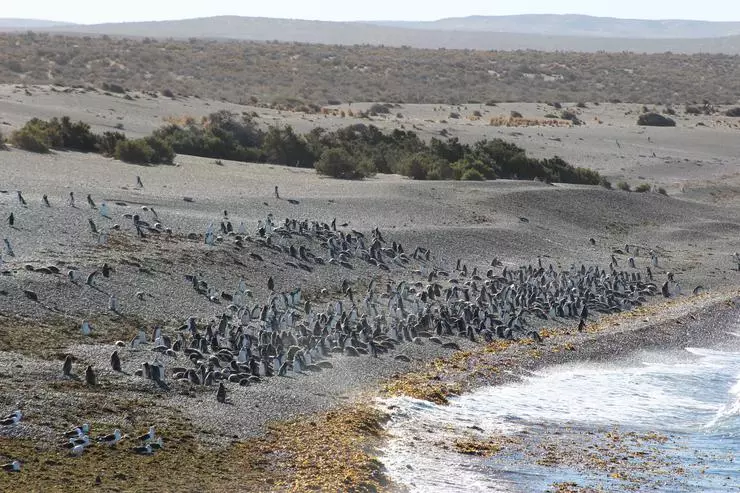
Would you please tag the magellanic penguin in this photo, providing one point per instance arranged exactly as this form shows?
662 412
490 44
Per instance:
12 419
90 376
115 361
67 367
221 394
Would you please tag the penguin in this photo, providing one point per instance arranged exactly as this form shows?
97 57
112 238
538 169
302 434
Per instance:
45 199
11 219
91 202
149 435
138 182
111 439
91 278
115 361
221 393
271 284
90 377
20 198
67 367
71 200
93 227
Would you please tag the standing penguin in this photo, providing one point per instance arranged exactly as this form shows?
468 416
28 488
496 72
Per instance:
91 202
90 377
11 220
115 361
20 198
67 367
138 182
221 394
45 199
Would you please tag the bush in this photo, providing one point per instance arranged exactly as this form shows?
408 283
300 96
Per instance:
380 109
3 147
134 151
162 152
655 120
643 187
669 111
108 141
692 110
662 191
516 114
282 146
571 117
555 105
28 140
113 88
454 116
624 186
168 93
338 163
605 183
581 104
472 175
477 114
733 112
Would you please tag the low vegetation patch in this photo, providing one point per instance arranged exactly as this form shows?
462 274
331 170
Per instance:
353 152
62 133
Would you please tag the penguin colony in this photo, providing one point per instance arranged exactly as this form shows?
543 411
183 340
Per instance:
253 340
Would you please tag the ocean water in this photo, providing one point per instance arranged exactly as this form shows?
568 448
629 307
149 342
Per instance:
657 422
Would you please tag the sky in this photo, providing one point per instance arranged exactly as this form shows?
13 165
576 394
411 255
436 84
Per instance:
96 11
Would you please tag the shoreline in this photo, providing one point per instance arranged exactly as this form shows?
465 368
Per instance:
337 448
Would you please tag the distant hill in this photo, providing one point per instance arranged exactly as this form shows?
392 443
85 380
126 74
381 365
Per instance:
578 25
30 24
348 33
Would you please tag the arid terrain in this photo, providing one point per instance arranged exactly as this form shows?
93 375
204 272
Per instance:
298 74
693 229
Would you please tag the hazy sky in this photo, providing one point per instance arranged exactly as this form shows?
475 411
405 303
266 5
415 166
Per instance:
95 11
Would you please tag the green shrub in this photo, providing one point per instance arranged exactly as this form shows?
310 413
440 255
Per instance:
605 183
662 191
168 93
135 151
162 152
28 140
220 136
338 163
516 114
472 174
108 141
733 112
282 146
624 186
643 187
655 120
581 104
3 147
57 134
